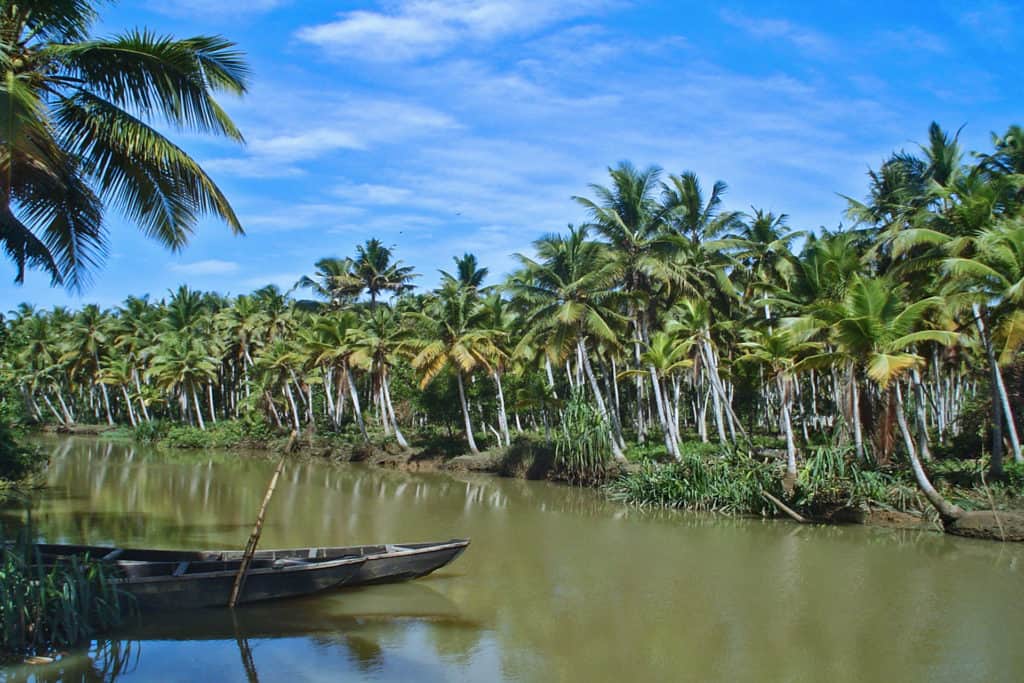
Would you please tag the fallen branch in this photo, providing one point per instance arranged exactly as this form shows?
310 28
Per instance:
785 508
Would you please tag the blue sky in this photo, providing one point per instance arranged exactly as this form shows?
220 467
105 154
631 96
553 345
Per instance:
467 125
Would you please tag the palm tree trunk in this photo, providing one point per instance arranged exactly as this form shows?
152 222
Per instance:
999 390
920 408
787 424
209 397
502 415
69 417
294 408
142 402
128 403
106 403
332 413
617 445
666 428
49 404
465 414
551 375
391 411
199 409
946 510
356 410
273 409
858 435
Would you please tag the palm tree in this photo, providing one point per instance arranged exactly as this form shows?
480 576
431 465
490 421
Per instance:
329 340
571 297
88 338
376 346
468 272
987 271
627 215
333 281
457 337
780 351
80 131
181 364
376 272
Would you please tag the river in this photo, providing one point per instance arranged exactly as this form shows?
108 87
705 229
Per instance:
559 584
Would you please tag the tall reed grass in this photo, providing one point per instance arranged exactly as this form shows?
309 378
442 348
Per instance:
47 606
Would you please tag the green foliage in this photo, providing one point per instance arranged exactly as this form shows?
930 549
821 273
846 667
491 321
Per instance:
151 432
832 478
729 483
583 446
16 460
647 452
44 609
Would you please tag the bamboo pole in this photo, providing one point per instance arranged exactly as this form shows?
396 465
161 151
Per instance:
257 530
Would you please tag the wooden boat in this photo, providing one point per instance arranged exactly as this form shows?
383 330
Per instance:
384 563
166 579
203 578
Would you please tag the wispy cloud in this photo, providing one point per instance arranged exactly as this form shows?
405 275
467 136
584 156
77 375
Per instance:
913 39
992 21
806 40
207 267
315 125
412 29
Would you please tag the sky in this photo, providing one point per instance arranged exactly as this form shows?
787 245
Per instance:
451 126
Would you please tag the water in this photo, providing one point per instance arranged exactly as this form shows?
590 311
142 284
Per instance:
558 585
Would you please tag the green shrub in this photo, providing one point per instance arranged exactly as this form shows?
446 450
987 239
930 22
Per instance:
583 446
16 460
184 436
648 452
150 432
730 483
831 477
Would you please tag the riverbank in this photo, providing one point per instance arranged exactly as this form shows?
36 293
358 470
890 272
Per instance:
830 488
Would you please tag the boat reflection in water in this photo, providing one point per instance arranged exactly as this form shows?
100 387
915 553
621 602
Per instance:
361 632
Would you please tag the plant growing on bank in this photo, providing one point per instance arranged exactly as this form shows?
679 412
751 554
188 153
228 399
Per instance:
44 609
583 445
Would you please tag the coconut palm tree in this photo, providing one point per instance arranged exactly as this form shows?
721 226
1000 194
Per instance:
374 270
468 272
457 337
333 281
571 296
81 130
986 271
377 344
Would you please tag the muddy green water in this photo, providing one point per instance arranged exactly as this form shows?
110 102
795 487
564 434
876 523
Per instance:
559 584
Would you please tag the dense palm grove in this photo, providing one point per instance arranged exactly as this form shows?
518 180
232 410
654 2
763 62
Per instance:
663 319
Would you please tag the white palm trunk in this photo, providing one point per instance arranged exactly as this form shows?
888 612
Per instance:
465 414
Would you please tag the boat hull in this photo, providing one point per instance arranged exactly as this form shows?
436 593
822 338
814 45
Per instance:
214 589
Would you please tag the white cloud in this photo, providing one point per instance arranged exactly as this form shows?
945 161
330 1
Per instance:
370 193
291 126
804 39
427 28
207 267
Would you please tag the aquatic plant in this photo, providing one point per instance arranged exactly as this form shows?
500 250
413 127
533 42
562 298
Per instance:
44 608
